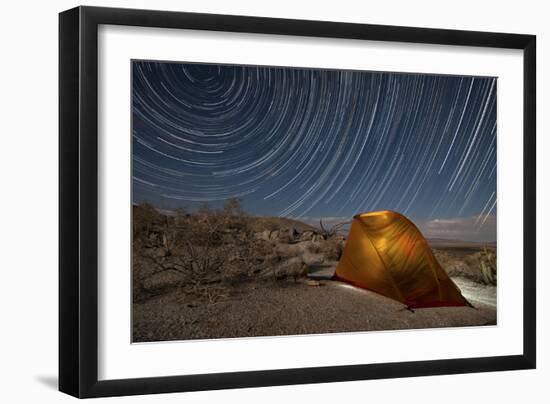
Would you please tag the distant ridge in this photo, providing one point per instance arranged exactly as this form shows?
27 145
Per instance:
259 223
262 222
442 242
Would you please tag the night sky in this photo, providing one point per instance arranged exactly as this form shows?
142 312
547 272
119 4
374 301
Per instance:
310 143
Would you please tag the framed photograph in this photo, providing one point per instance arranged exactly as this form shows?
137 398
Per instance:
251 201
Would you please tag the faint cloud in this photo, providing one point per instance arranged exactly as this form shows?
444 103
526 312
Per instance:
461 228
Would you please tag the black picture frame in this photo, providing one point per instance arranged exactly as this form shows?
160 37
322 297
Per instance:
78 201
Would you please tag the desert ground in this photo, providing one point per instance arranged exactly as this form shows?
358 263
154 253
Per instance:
222 274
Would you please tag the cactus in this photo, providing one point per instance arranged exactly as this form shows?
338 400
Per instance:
488 267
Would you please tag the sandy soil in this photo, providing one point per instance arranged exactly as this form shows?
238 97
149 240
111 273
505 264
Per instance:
289 308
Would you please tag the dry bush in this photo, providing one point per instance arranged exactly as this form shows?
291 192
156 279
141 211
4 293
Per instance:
209 248
314 248
488 266
284 236
269 225
478 266
204 252
332 231
290 269
145 219
331 249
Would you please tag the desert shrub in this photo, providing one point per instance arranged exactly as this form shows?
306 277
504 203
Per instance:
331 249
330 232
478 266
314 248
284 236
209 247
269 225
488 267
145 217
232 207
472 260
293 268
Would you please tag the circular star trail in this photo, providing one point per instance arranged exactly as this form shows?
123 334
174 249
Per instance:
314 143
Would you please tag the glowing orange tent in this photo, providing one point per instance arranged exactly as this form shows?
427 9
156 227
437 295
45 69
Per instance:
386 253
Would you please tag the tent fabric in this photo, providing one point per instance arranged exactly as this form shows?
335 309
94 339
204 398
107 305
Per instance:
386 253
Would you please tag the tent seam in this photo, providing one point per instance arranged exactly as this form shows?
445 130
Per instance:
383 262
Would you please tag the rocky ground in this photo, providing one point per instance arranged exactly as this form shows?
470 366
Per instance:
288 308
309 305
272 276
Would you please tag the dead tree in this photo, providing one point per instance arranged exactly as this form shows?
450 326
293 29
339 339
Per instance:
333 230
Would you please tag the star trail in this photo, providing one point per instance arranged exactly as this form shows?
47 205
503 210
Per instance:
301 142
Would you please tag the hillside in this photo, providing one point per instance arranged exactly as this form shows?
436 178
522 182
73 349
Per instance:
449 243
261 223
222 274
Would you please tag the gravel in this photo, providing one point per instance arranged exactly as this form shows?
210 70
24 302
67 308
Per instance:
272 308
